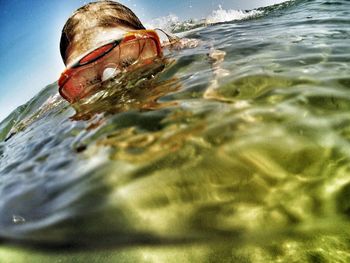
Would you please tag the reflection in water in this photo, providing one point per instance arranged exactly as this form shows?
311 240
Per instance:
135 90
246 161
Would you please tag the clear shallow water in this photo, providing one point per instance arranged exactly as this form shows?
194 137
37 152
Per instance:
243 161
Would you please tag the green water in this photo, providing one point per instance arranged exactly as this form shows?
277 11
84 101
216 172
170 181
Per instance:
240 160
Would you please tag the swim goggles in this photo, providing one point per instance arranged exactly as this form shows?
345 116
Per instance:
105 62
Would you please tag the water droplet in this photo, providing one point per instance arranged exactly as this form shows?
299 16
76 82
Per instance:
16 219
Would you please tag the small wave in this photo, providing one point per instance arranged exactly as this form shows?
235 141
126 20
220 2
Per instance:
172 22
165 22
221 15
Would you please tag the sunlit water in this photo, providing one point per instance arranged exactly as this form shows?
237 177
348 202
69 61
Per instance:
247 160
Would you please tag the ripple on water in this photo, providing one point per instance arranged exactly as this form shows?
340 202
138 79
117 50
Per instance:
244 160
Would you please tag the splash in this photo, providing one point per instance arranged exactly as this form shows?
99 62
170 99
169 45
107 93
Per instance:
172 22
165 22
221 15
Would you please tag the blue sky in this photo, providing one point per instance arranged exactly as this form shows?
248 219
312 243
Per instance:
30 32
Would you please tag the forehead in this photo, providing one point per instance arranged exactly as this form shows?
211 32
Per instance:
88 40
94 24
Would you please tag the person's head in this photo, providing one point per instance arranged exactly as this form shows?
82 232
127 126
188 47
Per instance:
93 25
100 41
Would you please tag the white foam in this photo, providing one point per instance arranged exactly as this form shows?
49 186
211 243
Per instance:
166 22
172 23
221 15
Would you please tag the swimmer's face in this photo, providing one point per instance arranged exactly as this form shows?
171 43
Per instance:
87 72
99 40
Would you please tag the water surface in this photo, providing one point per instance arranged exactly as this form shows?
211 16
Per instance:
246 160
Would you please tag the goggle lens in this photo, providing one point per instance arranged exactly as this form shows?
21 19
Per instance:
96 54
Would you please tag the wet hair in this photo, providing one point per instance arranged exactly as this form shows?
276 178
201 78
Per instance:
101 14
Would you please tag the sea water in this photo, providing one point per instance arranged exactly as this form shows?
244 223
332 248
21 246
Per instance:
237 150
